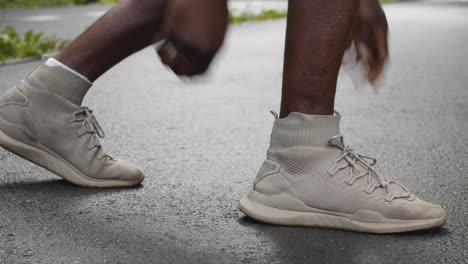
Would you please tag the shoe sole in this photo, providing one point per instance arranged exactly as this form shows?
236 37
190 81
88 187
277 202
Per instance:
52 162
277 216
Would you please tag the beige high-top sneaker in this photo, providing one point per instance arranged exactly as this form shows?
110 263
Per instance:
41 120
311 178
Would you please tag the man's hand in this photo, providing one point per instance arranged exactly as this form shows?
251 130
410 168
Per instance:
370 35
193 31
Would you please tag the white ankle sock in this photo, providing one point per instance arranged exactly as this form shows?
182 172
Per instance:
51 62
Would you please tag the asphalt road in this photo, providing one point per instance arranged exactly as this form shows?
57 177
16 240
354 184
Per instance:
201 143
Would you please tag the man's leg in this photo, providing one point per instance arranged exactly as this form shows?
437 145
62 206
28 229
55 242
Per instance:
42 120
128 27
316 38
310 178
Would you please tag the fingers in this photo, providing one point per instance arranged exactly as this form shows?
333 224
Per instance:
182 66
372 48
168 52
381 54
172 57
183 60
370 37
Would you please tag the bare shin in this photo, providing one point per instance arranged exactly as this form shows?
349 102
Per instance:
318 33
128 27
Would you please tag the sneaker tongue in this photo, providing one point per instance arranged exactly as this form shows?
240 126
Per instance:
59 81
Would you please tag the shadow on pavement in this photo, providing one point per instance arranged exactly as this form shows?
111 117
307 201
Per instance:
299 244
89 222
59 186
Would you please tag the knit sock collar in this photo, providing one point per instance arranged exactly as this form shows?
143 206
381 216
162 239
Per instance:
305 130
59 81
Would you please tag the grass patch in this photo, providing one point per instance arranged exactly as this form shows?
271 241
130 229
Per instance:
42 3
107 1
49 3
31 44
264 15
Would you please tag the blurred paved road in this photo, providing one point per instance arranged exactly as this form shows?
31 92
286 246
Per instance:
201 144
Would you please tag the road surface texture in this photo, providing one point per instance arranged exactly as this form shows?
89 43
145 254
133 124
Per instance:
201 143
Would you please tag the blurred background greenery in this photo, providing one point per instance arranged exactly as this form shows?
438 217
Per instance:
46 3
30 44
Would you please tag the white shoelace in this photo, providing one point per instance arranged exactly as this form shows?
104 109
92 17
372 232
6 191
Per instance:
351 159
85 115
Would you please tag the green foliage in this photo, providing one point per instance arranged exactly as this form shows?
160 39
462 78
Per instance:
108 1
265 15
41 3
47 3
12 45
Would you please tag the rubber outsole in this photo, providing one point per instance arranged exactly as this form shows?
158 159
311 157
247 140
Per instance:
277 216
52 162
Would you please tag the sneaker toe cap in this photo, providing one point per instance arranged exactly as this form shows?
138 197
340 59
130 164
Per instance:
420 210
432 211
126 171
